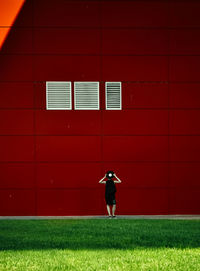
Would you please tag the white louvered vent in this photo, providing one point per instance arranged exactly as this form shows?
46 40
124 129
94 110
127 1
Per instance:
58 95
86 95
113 96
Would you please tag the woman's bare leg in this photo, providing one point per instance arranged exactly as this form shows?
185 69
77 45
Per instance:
108 209
113 209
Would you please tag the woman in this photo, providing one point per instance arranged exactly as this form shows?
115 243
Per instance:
110 191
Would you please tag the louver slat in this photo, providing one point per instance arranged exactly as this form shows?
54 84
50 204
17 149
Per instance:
86 95
58 95
113 95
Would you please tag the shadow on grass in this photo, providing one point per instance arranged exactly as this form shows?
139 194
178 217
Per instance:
98 234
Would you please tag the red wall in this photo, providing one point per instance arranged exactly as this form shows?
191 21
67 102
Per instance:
51 161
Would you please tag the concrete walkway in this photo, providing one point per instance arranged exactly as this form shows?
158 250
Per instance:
179 217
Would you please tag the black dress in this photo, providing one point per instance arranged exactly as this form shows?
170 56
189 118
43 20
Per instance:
110 192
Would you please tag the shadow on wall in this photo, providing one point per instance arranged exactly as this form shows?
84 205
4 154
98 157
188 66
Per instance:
20 14
8 16
16 64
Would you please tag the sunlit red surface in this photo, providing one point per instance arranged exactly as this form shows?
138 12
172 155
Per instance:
9 9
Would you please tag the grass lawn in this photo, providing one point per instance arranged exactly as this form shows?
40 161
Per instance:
99 244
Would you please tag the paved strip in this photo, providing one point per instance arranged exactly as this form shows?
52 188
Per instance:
176 217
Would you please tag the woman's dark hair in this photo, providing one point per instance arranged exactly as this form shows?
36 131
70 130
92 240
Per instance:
110 174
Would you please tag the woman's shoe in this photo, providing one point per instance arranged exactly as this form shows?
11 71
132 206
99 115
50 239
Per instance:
114 216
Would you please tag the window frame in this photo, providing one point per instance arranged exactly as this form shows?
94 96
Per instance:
106 106
70 95
75 98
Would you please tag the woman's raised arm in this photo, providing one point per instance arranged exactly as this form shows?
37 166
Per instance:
102 180
118 180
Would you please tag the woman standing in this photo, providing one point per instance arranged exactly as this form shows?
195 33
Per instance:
110 191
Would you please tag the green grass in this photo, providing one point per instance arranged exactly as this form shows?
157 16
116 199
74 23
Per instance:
99 245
